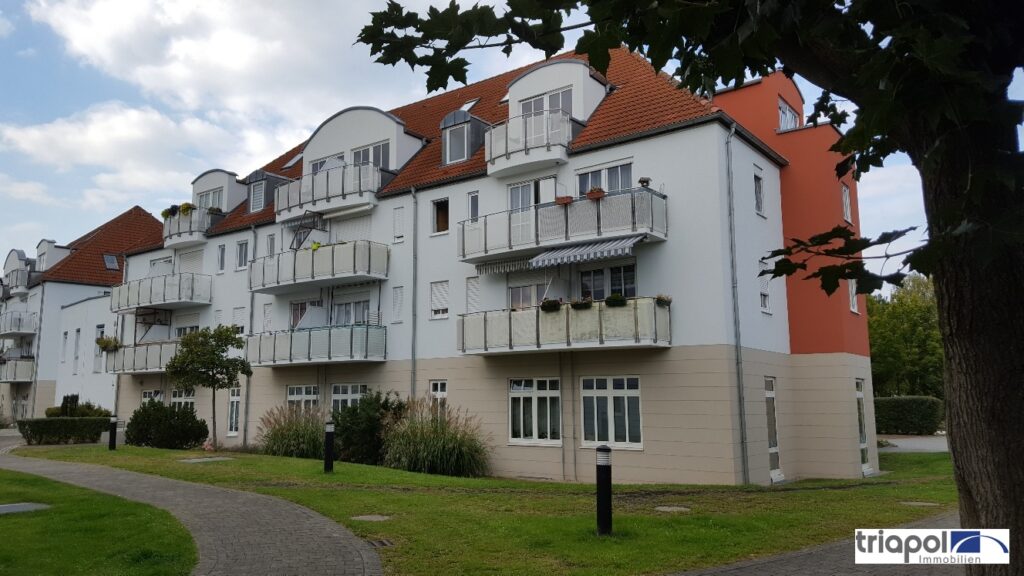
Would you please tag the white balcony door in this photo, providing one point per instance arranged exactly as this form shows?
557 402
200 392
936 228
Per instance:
268 317
533 121
349 313
160 267
520 205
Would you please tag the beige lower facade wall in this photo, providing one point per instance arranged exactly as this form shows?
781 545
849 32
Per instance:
688 398
43 397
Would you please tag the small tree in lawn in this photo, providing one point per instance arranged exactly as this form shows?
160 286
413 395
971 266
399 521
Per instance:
203 361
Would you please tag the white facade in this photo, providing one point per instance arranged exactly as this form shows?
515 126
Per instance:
81 369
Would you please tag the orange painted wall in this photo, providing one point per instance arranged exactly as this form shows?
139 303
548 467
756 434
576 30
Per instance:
811 203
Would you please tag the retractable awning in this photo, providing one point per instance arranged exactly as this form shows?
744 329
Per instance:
586 252
504 266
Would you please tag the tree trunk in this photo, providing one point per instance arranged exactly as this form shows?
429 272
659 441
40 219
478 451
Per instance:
979 278
213 417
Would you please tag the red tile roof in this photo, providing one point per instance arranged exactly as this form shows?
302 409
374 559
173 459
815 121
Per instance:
277 165
643 100
240 218
84 265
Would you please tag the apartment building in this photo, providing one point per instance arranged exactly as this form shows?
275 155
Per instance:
53 307
410 250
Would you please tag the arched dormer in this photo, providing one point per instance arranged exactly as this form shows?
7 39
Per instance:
359 135
567 84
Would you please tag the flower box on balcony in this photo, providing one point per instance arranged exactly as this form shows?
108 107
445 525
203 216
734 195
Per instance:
563 200
584 304
615 301
595 193
548 305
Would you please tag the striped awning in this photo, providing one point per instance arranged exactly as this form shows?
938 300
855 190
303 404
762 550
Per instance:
586 252
503 266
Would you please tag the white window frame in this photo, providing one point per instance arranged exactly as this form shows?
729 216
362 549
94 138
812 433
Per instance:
292 323
261 187
64 348
222 253
788 118
371 151
765 285
153 394
210 198
759 194
398 224
438 390
770 385
448 133
180 331
97 361
600 177
183 398
851 286
607 269
234 410
345 395
610 392
271 244
433 216
78 344
440 313
522 389
862 429
397 303
303 396
844 189
473 205
241 253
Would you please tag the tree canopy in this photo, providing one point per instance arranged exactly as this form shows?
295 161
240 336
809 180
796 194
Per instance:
906 344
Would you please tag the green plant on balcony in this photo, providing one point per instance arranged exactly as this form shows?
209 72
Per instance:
186 208
170 212
215 211
315 246
582 303
663 300
550 305
616 300
596 193
108 343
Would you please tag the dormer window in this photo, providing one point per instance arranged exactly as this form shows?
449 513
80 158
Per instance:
456 143
209 198
560 99
327 163
110 262
377 154
317 166
256 195
788 120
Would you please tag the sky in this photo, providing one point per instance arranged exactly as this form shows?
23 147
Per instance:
111 103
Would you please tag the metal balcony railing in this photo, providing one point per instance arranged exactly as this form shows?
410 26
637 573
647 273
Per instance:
15 322
351 180
520 133
353 343
151 357
195 222
183 288
642 322
16 369
359 258
618 213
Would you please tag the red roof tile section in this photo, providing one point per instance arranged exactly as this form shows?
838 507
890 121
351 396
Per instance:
240 218
642 101
85 265
277 165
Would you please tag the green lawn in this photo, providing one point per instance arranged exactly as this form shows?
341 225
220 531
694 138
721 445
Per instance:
87 533
472 526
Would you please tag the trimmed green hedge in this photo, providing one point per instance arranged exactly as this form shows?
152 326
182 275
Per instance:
918 415
62 430
157 425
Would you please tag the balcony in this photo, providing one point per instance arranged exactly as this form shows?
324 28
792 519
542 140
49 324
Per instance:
18 324
167 292
141 359
526 231
349 189
347 262
16 369
184 230
17 281
641 323
328 344
532 141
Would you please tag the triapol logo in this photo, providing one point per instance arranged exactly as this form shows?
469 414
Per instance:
909 546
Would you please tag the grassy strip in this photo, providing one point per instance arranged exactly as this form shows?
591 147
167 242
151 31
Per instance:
86 533
471 526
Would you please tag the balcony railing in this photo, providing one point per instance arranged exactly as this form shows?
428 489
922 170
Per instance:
355 343
620 213
14 323
520 133
141 358
359 261
16 370
17 281
358 182
642 322
169 291
195 222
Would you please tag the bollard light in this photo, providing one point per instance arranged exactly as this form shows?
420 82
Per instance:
329 446
604 490
112 440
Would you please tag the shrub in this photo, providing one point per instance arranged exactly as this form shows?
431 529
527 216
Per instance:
908 415
360 429
616 300
86 410
436 440
62 430
584 304
293 431
549 305
159 426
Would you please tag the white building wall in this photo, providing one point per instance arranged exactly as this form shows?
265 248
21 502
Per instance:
87 378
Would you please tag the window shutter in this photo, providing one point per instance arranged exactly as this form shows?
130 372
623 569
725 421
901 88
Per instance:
397 297
765 282
218 317
472 294
438 295
191 262
353 229
256 197
238 317
399 223
187 320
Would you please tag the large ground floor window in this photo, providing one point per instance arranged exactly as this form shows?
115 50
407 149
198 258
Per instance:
534 411
184 398
611 411
865 459
344 395
234 408
304 396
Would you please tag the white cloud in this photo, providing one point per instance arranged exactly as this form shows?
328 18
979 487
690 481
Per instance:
6 26
26 191
26 53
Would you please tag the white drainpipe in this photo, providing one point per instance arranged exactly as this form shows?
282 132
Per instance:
737 332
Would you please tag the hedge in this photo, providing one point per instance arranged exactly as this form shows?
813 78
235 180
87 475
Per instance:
62 430
918 415
157 425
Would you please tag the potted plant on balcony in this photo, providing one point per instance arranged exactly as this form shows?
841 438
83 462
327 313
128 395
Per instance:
582 303
315 246
550 305
186 208
108 343
596 193
616 300
170 212
215 211
563 200
663 300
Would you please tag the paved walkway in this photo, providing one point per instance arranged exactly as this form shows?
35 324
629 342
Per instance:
835 560
934 443
237 533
